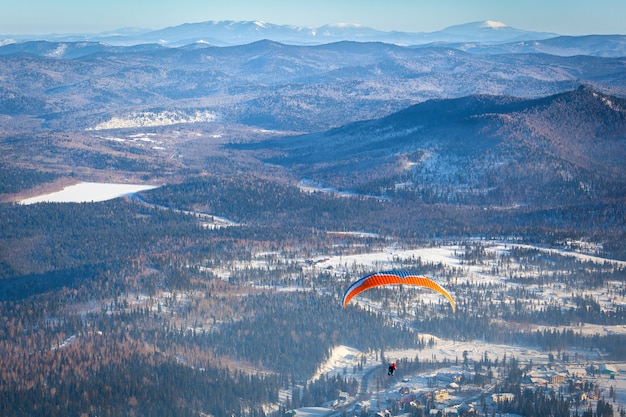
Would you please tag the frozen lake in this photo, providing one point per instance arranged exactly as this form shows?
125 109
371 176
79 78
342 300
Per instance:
87 192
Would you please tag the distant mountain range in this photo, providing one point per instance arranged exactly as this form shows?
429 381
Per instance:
225 33
81 85
609 46
234 33
486 37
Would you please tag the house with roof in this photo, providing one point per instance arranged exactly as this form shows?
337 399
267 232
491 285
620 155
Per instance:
607 369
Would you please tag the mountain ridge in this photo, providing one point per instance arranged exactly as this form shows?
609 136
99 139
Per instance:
230 32
606 46
471 149
272 85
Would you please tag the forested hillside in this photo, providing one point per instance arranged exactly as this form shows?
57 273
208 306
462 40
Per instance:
563 150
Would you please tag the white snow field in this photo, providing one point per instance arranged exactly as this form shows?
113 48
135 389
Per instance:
87 192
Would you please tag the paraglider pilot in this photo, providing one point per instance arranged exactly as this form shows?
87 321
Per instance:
391 369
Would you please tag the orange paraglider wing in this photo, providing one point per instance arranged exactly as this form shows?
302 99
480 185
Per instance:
393 278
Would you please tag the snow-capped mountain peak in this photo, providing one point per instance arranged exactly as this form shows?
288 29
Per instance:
229 32
261 24
344 25
493 24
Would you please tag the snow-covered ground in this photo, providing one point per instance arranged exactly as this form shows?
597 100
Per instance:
343 358
391 256
150 119
451 257
311 412
86 192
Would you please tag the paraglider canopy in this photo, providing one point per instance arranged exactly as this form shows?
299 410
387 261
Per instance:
393 278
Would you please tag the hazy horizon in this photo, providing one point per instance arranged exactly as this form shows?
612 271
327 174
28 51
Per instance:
574 17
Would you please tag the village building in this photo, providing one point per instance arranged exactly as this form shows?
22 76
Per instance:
503 397
607 369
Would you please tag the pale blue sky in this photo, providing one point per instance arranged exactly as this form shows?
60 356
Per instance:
567 17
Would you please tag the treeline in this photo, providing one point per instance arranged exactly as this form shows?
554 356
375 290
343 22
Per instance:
261 202
107 362
46 237
469 326
77 157
290 333
142 385
157 356
319 392
256 201
293 333
14 179
586 310
603 221
275 210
